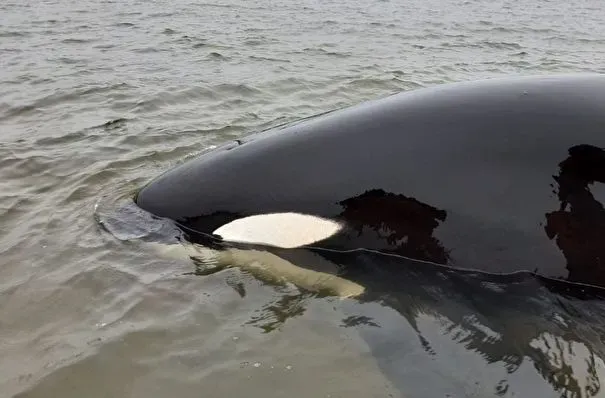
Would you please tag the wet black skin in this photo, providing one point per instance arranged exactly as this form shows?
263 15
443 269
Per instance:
500 176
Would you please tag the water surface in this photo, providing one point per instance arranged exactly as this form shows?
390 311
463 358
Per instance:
98 97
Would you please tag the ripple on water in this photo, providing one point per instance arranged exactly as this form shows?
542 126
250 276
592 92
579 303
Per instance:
59 97
73 40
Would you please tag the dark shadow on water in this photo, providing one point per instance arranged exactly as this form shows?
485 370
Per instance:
273 315
508 320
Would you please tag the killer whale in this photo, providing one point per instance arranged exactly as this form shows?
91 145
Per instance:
495 176
499 175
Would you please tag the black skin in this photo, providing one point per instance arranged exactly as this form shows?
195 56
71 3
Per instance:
461 175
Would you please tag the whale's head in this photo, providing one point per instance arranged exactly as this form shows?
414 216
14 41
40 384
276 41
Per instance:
500 176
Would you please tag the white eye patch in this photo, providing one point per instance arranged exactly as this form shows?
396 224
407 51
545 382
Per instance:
284 230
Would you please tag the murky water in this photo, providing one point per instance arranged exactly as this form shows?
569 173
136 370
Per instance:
98 97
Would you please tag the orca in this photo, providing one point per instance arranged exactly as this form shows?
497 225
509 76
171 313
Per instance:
499 176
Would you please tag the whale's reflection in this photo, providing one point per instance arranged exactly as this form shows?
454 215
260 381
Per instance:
578 226
405 224
432 317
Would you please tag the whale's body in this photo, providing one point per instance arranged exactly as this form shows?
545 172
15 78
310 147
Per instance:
501 175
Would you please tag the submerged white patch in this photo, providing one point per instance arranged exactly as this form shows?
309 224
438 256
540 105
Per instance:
296 270
303 268
285 230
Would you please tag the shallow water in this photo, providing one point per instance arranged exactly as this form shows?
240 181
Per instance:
96 98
